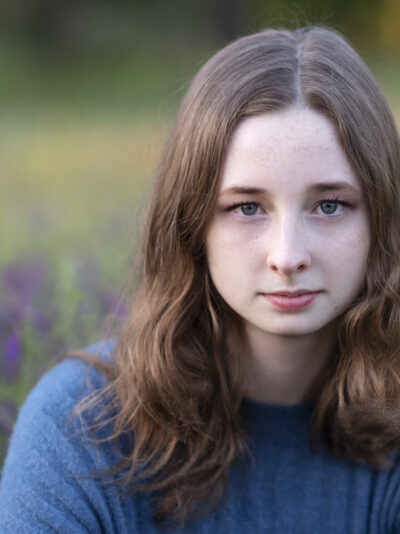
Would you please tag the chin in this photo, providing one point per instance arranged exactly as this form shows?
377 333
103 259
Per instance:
292 330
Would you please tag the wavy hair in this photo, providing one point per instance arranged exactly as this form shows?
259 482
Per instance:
175 377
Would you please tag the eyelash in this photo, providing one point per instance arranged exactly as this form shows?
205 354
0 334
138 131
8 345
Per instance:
334 200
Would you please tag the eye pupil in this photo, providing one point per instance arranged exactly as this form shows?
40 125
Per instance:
329 207
249 209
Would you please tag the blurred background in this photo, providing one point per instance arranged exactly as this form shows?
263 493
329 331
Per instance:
88 90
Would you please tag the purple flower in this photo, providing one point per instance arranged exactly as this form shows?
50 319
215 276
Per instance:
43 323
115 305
12 355
11 315
25 280
25 286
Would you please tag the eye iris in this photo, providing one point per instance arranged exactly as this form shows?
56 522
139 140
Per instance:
249 209
329 207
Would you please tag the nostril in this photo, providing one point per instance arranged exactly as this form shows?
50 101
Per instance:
287 267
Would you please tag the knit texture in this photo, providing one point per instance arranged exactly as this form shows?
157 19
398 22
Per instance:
281 487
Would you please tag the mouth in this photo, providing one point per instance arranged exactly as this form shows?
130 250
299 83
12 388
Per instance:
291 300
292 294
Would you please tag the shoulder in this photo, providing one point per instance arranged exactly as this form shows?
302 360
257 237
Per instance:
53 400
68 382
49 408
47 454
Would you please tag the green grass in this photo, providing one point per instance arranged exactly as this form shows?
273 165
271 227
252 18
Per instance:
65 179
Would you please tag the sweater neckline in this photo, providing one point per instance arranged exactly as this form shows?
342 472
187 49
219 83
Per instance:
259 406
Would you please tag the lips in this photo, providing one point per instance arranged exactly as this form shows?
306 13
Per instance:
291 300
296 293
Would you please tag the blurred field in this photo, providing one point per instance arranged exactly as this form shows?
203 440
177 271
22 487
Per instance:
72 182
79 142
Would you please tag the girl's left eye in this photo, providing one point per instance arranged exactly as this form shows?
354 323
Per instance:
332 206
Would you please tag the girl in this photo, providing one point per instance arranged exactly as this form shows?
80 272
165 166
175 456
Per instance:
255 385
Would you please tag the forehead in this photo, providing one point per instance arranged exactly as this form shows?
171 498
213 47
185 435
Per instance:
294 147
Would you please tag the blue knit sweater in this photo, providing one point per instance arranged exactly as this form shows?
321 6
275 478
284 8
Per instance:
282 488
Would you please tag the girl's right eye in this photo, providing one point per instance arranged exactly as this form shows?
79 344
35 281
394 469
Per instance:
245 208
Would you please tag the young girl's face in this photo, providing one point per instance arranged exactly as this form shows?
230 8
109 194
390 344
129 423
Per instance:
288 244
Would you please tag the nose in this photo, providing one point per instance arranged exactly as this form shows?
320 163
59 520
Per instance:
287 249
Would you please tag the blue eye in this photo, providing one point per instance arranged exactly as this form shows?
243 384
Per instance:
329 207
249 209
333 206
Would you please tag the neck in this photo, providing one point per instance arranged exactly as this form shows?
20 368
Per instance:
284 370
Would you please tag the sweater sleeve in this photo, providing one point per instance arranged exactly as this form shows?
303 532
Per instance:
41 488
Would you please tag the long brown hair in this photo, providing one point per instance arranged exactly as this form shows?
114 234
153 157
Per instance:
175 376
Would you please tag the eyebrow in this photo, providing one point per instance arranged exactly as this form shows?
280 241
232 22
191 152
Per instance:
318 188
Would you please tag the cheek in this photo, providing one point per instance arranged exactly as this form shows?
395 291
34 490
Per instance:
348 245
220 243
233 237
231 253
346 261
359 248
225 258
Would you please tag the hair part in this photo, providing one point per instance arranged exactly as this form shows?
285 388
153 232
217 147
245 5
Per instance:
180 357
